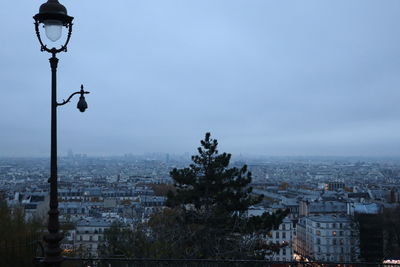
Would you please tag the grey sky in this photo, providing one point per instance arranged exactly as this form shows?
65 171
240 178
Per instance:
265 77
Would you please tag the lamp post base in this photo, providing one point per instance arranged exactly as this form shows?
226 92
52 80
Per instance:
53 251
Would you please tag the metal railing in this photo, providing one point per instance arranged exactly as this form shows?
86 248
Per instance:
128 262
20 251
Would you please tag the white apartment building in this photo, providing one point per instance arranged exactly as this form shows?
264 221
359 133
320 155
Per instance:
283 235
89 234
326 238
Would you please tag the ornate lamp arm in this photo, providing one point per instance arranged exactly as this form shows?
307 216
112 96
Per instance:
82 92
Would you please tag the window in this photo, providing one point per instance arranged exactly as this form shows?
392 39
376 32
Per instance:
277 235
341 225
334 233
318 225
283 235
284 251
318 241
284 226
333 225
341 233
317 232
334 241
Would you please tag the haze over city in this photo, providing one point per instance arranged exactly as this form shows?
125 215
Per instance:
264 77
109 153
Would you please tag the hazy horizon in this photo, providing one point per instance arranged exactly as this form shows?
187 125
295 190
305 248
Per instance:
278 78
161 156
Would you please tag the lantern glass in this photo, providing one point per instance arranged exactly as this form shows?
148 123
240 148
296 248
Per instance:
53 29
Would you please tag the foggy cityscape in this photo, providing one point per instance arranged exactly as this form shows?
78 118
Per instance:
200 133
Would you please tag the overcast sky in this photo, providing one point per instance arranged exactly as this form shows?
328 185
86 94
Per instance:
264 77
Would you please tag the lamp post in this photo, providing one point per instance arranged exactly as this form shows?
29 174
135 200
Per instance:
53 16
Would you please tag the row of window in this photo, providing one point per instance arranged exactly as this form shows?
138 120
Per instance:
334 241
277 235
86 231
331 225
334 233
283 226
99 238
284 251
332 258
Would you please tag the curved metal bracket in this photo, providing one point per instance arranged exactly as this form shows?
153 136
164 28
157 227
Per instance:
81 92
53 50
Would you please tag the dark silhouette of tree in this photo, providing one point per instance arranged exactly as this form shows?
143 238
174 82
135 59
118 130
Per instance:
379 235
211 202
18 238
370 227
391 232
121 241
206 216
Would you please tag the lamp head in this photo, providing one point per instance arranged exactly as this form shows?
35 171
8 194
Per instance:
52 7
82 105
54 17
52 10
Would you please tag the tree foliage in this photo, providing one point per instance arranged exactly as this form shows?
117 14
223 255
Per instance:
19 239
120 240
391 232
370 228
206 216
379 235
211 202
209 186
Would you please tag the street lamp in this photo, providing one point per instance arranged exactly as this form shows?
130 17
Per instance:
54 17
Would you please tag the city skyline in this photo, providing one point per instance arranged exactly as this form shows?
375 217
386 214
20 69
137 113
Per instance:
265 78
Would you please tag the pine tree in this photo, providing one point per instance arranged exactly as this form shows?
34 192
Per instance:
207 216
209 187
213 200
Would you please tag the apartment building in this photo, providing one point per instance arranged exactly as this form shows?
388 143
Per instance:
326 238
